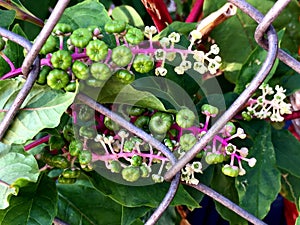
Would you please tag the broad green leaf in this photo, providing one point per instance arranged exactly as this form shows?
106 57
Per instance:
170 217
290 188
82 203
287 151
225 186
118 93
176 26
5 193
128 14
35 204
7 17
298 221
253 65
130 214
136 196
42 108
13 51
291 83
17 167
84 14
255 193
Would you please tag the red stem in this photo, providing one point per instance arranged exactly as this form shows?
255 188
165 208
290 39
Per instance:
37 142
158 10
294 115
196 12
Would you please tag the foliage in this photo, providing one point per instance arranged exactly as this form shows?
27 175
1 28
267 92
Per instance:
60 159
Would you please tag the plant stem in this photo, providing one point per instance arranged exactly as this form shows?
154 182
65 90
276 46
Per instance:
196 12
37 142
158 11
294 115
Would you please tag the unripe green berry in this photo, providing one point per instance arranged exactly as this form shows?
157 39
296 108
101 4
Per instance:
68 132
209 110
56 142
136 160
95 83
100 71
63 180
75 147
62 28
185 118
246 116
115 166
143 63
160 123
110 124
80 70
81 37
231 171
61 59
85 113
59 161
124 76
214 158
131 173
115 26
142 122
145 171
97 50
49 46
42 78
135 111
121 55
71 87
134 36
71 173
58 79
85 157
187 141
87 132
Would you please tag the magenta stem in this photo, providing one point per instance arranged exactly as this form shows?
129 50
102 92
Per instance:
294 115
12 74
37 142
195 12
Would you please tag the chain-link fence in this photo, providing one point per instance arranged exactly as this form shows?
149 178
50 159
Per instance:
265 36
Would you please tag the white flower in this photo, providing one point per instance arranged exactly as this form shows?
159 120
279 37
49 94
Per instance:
199 56
214 49
242 171
179 70
165 42
186 64
240 133
157 178
160 71
197 167
98 138
243 152
174 37
149 31
200 67
196 34
160 54
171 56
252 162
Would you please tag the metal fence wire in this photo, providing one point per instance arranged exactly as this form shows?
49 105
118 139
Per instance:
265 35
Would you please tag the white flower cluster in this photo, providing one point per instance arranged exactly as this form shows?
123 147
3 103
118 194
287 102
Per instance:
263 107
188 172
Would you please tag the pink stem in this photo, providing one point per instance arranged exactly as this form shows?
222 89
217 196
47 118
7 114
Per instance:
294 115
37 142
196 12
11 74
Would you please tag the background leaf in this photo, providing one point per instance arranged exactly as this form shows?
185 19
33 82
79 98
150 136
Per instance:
84 14
35 204
7 17
130 214
287 151
128 14
42 108
254 189
86 204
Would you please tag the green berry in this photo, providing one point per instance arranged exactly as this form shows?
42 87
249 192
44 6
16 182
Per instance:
57 79
81 37
246 116
56 142
49 46
62 28
97 50
121 55
68 132
124 76
85 113
42 78
209 110
136 160
63 180
145 171
134 36
71 173
135 111
100 71
75 147
115 26
231 171
169 143
85 157
214 158
110 124
59 161
160 123
87 132
142 122
71 87
185 118
61 59
80 70
143 63
187 141
131 173
95 83
115 166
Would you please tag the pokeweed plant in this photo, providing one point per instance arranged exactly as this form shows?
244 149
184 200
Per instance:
62 160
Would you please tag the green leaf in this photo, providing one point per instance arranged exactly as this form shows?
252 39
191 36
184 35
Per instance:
136 196
42 108
254 190
7 17
5 193
116 92
170 217
290 188
225 186
130 214
287 151
298 221
13 51
291 83
17 166
128 14
84 14
82 203
35 204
